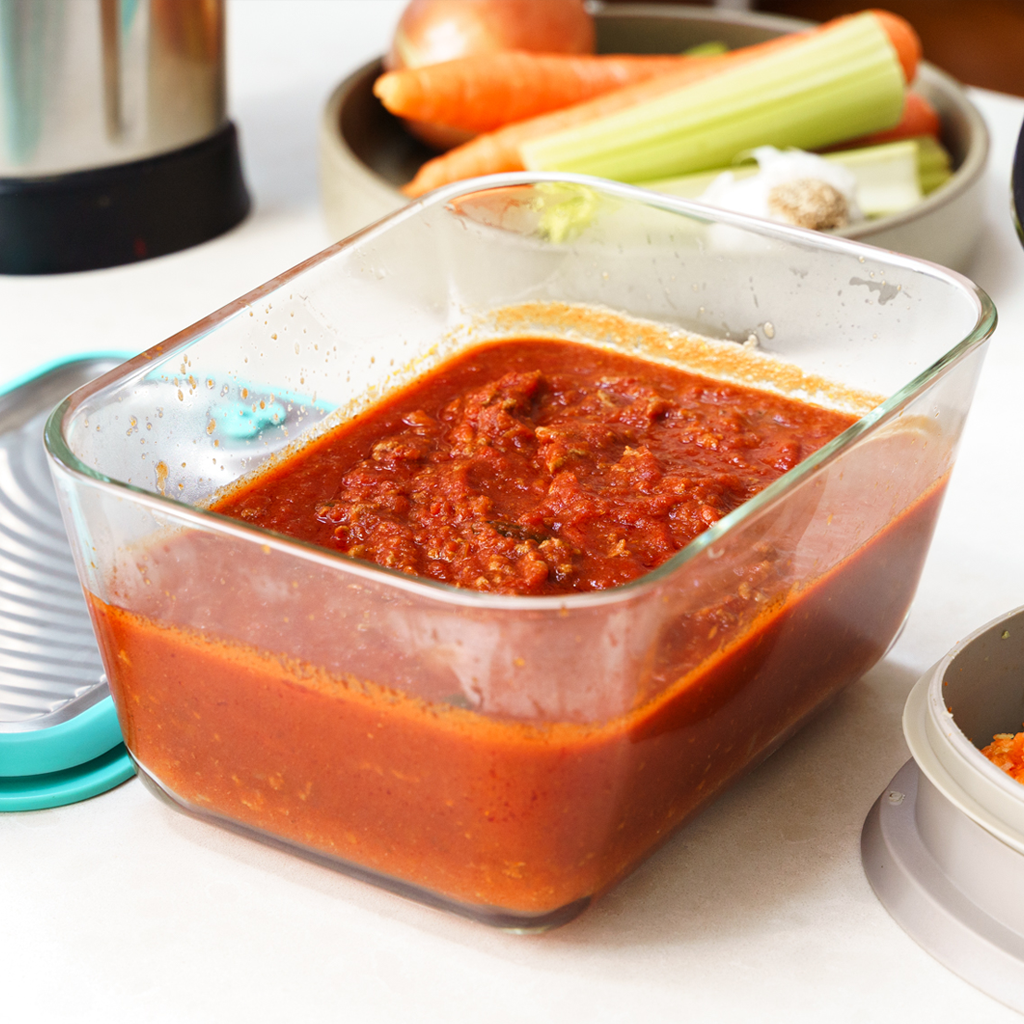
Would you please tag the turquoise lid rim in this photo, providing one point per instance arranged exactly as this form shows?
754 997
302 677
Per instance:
55 789
56 364
59 747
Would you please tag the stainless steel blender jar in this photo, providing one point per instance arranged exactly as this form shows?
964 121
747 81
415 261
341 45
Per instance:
114 140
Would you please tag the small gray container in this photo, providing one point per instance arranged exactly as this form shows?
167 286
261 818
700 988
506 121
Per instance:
943 847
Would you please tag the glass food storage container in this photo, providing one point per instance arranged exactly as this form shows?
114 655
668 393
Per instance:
507 757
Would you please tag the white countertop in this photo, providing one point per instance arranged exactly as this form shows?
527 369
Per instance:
121 909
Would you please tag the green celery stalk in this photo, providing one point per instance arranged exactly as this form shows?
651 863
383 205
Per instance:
887 176
831 86
693 186
711 48
887 179
934 166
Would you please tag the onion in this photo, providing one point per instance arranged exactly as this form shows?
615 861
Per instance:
431 31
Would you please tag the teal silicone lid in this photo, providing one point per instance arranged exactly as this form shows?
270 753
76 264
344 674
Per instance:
59 736
62 746
68 786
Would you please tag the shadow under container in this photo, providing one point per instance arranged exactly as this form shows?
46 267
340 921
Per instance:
508 758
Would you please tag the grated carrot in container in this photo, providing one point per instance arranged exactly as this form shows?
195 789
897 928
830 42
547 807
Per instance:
1006 751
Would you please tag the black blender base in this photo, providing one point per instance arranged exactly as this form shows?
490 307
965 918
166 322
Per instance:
120 214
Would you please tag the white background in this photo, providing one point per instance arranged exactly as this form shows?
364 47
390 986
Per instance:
119 909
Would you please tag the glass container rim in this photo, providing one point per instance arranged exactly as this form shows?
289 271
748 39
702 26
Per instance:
985 323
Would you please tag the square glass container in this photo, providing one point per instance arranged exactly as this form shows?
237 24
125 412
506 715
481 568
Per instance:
506 757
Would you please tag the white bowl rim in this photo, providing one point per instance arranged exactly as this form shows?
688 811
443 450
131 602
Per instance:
967 778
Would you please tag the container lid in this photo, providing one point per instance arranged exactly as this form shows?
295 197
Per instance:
59 737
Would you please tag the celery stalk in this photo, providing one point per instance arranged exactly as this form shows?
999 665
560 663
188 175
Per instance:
889 176
833 85
693 186
886 176
711 48
933 164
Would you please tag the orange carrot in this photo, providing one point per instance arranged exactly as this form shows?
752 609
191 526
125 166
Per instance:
919 118
905 41
484 92
498 151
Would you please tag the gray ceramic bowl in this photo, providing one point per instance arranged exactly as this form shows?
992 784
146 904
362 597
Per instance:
366 154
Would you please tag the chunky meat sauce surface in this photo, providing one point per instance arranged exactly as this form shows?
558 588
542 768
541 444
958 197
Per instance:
537 467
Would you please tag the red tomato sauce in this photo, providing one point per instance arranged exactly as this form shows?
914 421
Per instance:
504 819
537 467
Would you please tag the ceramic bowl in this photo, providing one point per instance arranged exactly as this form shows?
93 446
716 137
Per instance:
366 155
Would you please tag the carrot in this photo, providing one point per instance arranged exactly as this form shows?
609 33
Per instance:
498 151
919 118
484 92
905 41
